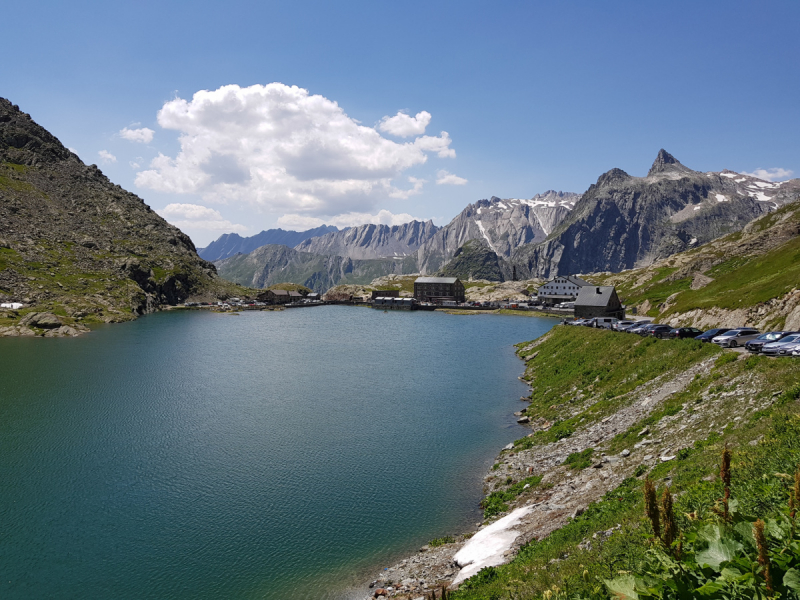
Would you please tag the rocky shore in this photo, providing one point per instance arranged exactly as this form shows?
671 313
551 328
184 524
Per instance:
563 492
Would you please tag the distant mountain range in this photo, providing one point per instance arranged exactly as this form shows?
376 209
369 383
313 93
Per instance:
232 243
620 222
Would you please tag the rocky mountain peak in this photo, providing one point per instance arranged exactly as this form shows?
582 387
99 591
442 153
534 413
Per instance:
612 177
664 163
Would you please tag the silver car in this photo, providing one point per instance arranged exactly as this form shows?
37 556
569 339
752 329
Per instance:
777 348
736 337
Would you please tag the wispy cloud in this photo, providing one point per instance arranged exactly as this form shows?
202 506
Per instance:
774 174
445 178
197 217
107 157
144 135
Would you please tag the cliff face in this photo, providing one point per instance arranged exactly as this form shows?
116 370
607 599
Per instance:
74 243
622 222
229 244
273 264
372 241
503 225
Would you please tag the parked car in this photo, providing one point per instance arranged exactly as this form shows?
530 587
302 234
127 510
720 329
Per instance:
638 326
685 332
736 337
711 334
620 325
790 349
766 338
780 347
645 331
659 331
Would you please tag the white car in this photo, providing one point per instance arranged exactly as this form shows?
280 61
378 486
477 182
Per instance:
736 337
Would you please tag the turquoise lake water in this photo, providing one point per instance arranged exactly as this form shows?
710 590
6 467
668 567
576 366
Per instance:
286 455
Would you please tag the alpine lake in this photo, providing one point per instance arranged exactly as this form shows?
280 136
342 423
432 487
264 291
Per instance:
282 455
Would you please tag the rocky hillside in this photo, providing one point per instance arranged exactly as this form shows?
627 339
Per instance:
277 264
229 244
76 246
504 225
475 260
750 277
622 222
372 241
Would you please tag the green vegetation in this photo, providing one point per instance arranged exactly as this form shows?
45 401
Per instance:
495 502
586 374
580 460
441 541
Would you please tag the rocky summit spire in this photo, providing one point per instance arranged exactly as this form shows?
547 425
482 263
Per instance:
666 162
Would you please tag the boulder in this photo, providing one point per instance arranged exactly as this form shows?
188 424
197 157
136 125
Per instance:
40 320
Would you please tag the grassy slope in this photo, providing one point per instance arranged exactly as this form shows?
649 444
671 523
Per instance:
746 267
605 366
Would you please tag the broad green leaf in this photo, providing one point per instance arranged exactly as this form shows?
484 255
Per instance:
622 588
745 531
709 588
792 580
718 552
729 574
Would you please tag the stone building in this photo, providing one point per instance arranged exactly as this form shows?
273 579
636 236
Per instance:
598 301
438 289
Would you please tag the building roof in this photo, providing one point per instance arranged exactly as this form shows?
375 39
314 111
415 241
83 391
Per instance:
294 294
279 292
595 295
436 280
572 279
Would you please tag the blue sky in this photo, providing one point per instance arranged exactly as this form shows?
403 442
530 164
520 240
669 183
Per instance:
533 96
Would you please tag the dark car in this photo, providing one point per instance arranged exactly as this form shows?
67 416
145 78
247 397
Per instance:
765 338
659 331
711 333
647 329
684 332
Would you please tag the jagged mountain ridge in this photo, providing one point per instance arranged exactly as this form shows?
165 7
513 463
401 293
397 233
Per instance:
229 244
622 222
503 224
372 241
273 264
73 242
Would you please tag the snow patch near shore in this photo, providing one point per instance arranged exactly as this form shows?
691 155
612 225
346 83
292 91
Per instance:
487 547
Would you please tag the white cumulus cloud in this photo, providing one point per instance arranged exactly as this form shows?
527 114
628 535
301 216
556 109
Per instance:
416 188
143 135
403 125
440 145
283 149
446 178
107 157
774 174
195 216
382 217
